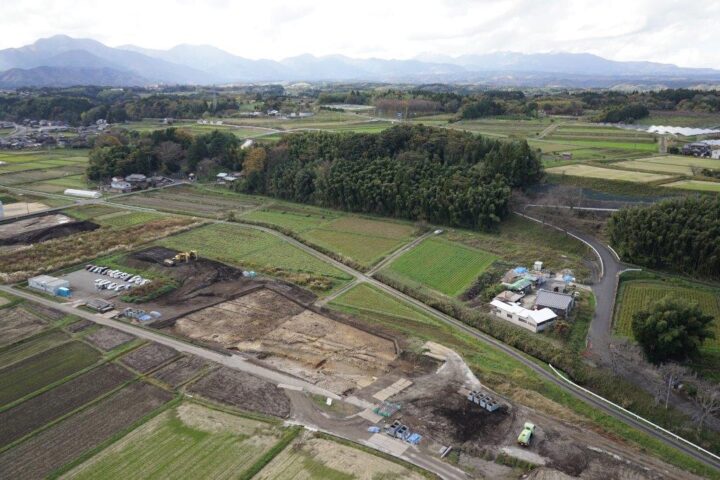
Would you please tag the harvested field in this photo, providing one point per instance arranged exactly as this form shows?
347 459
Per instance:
194 201
321 459
62 252
79 326
31 346
108 338
40 229
47 313
180 371
58 445
16 209
32 414
41 370
698 185
17 323
190 441
149 357
332 354
590 171
243 391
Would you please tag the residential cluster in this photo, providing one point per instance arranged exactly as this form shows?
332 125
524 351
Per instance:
48 133
535 299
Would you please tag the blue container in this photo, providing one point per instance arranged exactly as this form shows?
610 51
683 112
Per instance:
63 292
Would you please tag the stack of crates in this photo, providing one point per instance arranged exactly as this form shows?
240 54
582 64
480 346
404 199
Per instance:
484 400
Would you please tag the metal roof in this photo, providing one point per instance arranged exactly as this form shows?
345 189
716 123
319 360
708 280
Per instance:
546 298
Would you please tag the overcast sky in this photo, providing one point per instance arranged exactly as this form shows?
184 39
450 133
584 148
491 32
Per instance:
680 32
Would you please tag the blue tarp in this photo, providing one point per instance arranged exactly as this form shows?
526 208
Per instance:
374 429
414 438
568 278
520 270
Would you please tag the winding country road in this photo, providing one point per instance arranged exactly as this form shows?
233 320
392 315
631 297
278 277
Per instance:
600 327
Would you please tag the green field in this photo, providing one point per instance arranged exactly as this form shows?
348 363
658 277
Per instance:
442 265
644 166
189 441
698 185
591 171
675 164
252 249
124 219
36 372
361 239
39 343
637 294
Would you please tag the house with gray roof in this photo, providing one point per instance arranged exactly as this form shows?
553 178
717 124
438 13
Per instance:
560 303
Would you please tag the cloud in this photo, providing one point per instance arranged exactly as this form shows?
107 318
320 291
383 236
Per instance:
659 30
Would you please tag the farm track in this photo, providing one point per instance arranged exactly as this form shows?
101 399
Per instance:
239 363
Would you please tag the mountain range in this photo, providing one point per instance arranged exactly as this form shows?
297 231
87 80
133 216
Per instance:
64 61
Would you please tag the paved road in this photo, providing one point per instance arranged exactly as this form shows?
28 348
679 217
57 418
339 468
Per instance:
605 290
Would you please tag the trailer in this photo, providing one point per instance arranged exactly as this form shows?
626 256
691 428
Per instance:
526 435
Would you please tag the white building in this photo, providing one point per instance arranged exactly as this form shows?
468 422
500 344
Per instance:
533 320
715 154
48 284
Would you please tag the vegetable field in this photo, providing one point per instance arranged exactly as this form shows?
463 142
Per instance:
190 441
636 295
608 173
442 265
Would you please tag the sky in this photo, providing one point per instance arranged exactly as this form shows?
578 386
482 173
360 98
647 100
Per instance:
679 32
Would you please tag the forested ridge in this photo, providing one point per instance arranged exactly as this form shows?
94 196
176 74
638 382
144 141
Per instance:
415 172
682 235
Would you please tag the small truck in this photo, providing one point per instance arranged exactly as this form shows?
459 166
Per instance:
526 435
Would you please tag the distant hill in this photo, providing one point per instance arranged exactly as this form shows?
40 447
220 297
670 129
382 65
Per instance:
67 77
57 61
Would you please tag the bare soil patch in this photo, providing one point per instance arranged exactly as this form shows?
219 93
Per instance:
149 357
108 338
36 412
18 322
48 313
293 339
180 371
79 326
40 229
243 391
63 442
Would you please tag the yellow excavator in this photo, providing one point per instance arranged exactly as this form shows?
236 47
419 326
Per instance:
182 257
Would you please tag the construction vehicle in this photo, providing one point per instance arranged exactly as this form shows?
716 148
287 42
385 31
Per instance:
182 257
526 435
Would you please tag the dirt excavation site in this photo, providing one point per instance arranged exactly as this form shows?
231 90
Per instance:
294 339
425 389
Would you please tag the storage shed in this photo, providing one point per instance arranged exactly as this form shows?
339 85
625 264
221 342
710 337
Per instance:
50 285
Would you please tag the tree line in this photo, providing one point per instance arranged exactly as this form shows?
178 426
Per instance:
681 234
415 172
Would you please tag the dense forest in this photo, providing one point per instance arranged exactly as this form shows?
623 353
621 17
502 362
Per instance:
682 235
414 172
85 105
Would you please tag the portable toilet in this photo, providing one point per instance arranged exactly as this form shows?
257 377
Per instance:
62 292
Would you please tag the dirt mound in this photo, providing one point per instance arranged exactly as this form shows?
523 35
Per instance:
201 277
41 229
450 418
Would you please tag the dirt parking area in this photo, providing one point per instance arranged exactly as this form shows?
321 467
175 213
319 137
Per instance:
108 338
18 322
149 357
293 339
180 371
40 229
243 391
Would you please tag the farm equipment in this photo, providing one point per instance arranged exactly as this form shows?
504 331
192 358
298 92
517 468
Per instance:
182 257
526 435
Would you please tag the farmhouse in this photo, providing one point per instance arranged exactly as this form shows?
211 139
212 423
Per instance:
120 185
560 303
533 320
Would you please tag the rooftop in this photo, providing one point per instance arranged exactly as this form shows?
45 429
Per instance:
561 301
